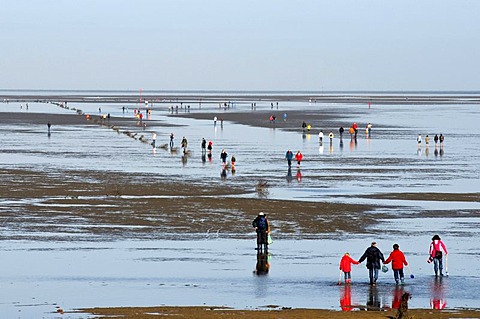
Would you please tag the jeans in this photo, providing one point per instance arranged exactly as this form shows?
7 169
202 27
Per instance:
398 274
347 275
373 274
438 264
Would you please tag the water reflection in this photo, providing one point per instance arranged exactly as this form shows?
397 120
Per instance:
263 264
184 159
289 175
299 176
373 301
346 298
397 297
320 149
437 299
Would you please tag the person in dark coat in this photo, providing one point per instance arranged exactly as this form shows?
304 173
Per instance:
373 256
262 227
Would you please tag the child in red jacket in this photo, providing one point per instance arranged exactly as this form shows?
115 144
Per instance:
346 266
398 260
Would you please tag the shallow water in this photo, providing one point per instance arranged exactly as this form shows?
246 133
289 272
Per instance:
368 166
42 275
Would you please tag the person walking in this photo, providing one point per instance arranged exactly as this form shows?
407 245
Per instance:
223 157
398 260
419 139
289 157
171 140
346 266
320 136
233 160
351 130
154 139
369 128
204 146
298 158
441 139
436 251
49 126
210 147
427 140
341 130
262 227
373 256
184 144
330 136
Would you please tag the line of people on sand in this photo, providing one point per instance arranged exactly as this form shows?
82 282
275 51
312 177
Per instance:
353 130
437 139
374 259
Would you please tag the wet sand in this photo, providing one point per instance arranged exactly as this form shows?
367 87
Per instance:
107 198
95 193
222 313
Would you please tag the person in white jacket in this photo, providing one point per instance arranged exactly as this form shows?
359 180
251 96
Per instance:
320 137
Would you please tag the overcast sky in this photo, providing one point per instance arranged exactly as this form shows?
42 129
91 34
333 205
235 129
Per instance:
240 45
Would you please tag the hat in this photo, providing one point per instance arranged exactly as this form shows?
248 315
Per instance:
261 214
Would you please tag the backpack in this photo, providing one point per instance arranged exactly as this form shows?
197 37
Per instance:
262 223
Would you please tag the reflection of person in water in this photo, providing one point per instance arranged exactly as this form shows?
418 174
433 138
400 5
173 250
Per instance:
263 265
437 299
373 302
299 176
346 298
289 175
397 297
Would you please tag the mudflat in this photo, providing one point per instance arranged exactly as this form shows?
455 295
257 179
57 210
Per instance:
222 313
72 205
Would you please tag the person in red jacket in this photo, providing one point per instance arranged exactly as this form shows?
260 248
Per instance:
299 157
398 260
346 266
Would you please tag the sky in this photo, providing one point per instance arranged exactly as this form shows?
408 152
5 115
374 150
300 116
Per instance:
272 45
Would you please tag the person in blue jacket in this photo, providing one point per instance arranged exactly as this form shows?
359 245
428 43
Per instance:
289 157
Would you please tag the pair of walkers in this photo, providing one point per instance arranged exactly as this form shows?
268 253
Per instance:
289 157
